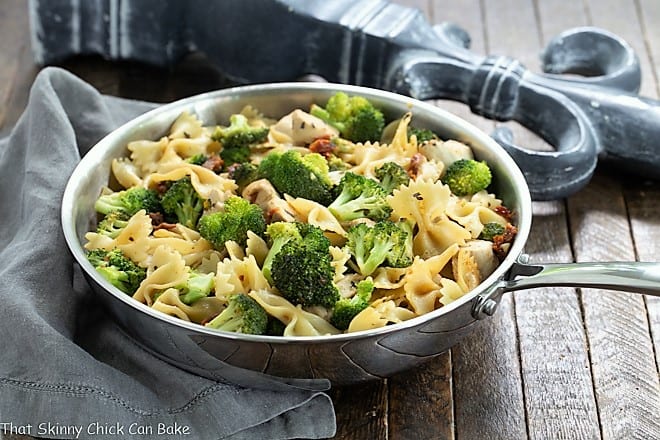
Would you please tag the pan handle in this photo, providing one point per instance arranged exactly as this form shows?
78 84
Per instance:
639 277
629 276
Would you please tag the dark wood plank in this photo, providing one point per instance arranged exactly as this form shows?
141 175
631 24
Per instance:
361 411
420 402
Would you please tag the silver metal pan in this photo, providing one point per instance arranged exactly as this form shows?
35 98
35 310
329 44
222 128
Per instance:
345 358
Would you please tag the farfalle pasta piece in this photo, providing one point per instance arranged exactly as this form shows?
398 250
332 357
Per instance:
368 157
340 255
126 173
423 280
239 276
166 269
485 199
450 291
404 145
133 240
188 242
472 216
257 247
146 155
208 185
379 314
315 214
298 322
424 203
186 126
201 311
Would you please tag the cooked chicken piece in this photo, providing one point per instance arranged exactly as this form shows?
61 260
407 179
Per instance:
261 193
446 152
301 128
477 252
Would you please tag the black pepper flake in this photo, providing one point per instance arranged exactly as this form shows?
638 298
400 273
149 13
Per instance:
302 125
186 135
418 196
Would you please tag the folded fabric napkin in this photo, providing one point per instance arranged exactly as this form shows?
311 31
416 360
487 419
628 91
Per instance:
66 370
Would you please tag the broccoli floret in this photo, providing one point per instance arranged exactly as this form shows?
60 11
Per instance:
354 116
359 197
275 327
128 201
402 253
238 217
302 269
491 230
279 234
371 246
347 308
197 159
243 174
118 269
392 176
182 201
198 285
237 138
467 176
299 176
422 134
242 315
112 224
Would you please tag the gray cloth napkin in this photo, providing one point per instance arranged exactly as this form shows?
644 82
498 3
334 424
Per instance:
66 370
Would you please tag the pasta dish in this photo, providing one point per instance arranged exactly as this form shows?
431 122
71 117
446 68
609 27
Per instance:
327 220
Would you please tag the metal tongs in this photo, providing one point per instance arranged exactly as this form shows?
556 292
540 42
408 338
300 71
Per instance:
381 44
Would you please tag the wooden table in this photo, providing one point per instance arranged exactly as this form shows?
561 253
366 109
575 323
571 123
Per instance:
552 363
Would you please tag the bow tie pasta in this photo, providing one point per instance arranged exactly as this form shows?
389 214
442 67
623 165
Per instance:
325 221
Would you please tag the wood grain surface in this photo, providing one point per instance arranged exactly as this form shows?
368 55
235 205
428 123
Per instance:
552 363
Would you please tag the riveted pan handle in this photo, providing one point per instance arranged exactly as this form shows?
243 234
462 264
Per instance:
639 277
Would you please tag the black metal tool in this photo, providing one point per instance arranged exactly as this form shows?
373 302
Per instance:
381 44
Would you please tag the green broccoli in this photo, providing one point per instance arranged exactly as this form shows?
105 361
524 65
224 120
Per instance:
422 134
242 315
237 138
402 255
299 176
279 234
238 217
491 230
275 327
378 245
467 176
359 197
182 202
197 286
391 176
197 159
118 269
354 116
112 224
243 174
347 308
128 201
302 269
